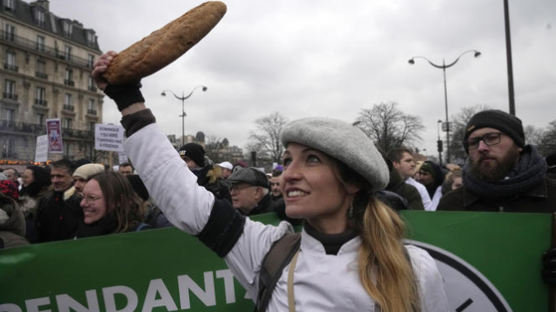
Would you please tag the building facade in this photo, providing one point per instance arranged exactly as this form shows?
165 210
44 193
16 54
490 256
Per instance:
46 73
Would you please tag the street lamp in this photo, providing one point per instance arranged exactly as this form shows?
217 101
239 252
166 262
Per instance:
443 67
183 97
439 142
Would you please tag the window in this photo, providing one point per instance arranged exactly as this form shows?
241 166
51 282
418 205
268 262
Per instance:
8 115
67 99
40 43
39 16
66 123
92 105
40 96
92 126
67 26
41 69
68 81
9 5
91 84
67 52
90 60
9 32
9 89
90 36
10 61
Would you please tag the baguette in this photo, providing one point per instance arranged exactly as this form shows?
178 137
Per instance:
165 45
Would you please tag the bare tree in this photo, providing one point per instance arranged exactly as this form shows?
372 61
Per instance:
533 135
547 145
459 121
389 127
266 139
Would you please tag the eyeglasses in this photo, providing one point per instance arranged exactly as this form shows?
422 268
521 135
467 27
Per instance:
490 139
91 198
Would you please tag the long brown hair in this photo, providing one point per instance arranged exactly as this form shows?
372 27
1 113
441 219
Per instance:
384 267
121 200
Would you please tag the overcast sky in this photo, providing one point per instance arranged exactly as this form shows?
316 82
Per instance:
334 58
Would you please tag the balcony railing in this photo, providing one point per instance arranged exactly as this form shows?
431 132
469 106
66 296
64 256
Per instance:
69 107
11 67
92 112
31 128
92 88
41 102
68 82
41 75
9 95
43 49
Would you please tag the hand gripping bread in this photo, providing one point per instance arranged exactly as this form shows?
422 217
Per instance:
163 46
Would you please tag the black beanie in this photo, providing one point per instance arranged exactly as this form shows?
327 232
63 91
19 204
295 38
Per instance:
497 119
194 152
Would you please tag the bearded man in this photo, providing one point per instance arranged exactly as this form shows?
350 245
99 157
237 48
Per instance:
501 173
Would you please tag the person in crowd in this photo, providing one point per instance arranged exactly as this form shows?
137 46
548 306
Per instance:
250 192
153 215
407 191
403 161
275 190
328 181
83 173
36 183
193 155
226 168
432 177
59 212
110 205
452 181
12 221
502 174
125 168
13 175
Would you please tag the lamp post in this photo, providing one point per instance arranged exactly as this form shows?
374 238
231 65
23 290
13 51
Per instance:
439 142
183 97
444 66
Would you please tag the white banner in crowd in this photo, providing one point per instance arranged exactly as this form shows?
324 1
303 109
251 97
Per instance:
109 138
54 132
41 151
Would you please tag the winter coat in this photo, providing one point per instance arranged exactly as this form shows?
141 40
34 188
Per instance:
407 191
541 198
12 224
58 216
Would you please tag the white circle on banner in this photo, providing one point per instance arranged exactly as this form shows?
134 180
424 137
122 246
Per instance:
467 289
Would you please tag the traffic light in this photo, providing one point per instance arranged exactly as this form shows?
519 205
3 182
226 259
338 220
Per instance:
439 145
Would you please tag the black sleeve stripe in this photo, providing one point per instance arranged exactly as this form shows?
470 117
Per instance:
223 229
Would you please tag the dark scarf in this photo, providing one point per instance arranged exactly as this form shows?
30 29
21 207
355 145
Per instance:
106 225
331 242
527 173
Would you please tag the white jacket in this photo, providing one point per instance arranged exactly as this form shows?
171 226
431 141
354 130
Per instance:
321 282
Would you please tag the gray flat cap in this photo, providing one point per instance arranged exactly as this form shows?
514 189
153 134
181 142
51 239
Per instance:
341 141
250 176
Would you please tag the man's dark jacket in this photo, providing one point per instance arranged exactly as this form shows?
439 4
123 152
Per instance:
539 199
57 219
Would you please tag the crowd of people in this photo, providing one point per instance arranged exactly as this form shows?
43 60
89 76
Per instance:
332 180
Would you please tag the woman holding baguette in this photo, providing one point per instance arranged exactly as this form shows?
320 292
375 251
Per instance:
351 255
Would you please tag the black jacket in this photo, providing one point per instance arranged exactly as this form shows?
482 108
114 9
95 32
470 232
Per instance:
57 219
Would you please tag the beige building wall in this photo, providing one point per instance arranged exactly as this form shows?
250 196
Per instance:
45 73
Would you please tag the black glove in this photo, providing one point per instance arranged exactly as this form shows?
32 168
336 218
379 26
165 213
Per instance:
124 95
549 267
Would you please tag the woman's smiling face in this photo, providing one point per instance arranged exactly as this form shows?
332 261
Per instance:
312 189
93 202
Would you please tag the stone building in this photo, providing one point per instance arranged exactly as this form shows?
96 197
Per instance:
45 73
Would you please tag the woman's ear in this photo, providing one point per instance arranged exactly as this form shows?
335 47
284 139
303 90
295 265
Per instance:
352 188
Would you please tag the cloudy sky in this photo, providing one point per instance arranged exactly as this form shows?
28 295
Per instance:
334 58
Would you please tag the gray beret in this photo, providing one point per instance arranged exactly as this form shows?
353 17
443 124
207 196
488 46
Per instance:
342 141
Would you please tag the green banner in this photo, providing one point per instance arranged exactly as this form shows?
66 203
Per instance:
167 270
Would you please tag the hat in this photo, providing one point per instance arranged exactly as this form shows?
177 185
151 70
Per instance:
250 176
88 170
194 152
226 164
497 119
342 141
434 170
